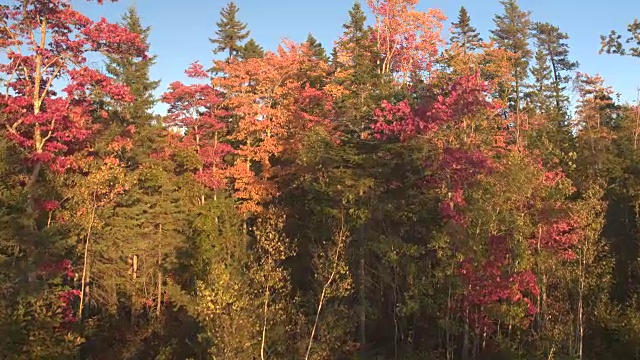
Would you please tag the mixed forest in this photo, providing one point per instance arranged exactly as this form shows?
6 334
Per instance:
413 191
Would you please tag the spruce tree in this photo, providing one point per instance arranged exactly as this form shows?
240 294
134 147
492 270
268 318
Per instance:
356 71
135 73
141 223
355 56
316 48
552 42
231 32
463 33
136 246
554 140
512 34
356 33
541 94
251 50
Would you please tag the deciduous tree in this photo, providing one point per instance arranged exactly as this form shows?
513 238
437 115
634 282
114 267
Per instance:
407 39
275 105
197 110
46 42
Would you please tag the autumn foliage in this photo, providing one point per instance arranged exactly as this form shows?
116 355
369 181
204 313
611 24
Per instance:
271 104
50 44
197 111
407 39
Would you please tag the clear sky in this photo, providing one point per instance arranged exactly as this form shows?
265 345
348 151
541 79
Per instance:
180 30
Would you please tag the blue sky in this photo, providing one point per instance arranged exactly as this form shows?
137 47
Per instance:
181 29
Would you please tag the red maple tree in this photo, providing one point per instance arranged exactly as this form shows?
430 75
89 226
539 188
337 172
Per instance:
197 110
46 41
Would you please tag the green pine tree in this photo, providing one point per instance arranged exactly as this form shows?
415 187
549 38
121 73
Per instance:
334 58
552 42
541 94
134 250
316 48
135 73
512 34
251 50
355 66
463 33
231 32
356 32
144 225
355 55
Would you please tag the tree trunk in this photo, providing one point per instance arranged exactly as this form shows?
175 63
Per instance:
542 296
32 182
465 340
159 295
34 174
543 303
134 276
517 105
395 311
635 135
325 287
475 347
264 323
447 329
362 307
84 266
556 85
362 290
580 320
